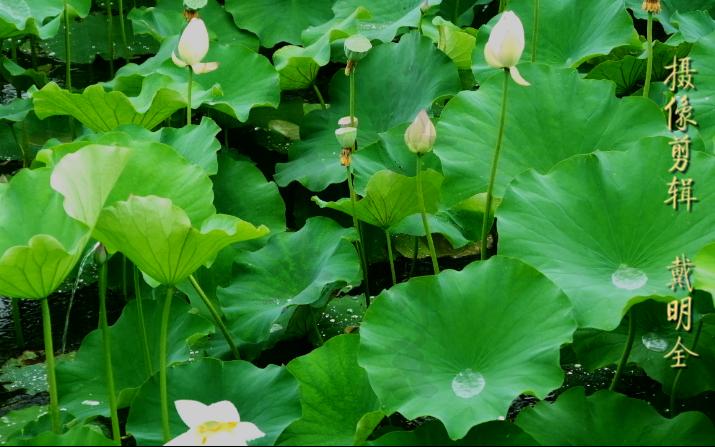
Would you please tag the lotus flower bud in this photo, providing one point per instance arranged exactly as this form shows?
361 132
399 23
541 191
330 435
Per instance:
193 46
100 254
651 6
505 45
348 121
346 136
421 134
356 47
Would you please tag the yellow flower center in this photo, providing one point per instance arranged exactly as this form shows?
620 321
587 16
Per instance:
211 428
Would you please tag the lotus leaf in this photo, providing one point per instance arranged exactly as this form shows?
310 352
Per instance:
433 433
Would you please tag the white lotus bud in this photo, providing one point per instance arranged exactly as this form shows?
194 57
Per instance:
193 46
421 134
506 44
346 136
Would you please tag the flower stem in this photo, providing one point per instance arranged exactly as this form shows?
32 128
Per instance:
163 363
535 35
216 317
356 224
425 222
142 323
676 380
107 345
352 96
68 49
17 320
188 95
121 23
503 5
390 257
649 63
124 278
488 215
626 350
50 361
110 37
320 97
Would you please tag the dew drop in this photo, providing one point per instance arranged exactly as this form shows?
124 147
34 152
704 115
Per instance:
628 278
92 403
467 384
275 328
654 342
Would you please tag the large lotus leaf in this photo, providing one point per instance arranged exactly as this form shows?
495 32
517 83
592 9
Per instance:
455 42
275 21
387 17
38 17
21 78
460 347
292 269
81 378
159 238
419 73
39 243
78 435
669 11
703 60
266 397
547 122
704 270
433 433
243 80
94 176
15 110
390 197
655 336
241 190
608 418
166 19
570 31
15 421
335 395
101 110
597 226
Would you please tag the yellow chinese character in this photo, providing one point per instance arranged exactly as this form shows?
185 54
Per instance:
686 193
672 77
680 273
680 152
680 311
678 354
673 193
682 73
684 114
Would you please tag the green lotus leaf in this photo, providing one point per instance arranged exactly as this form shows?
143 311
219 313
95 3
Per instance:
81 379
266 397
569 33
159 238
38 17
692 25
441 345
569 109
103 111
597 226
243 80
275 21
704 270
21 78
39 244
433 433
335 395
15 421
703 60
89 40
293 269
384 100
387 17
579 420
241 190
16 110
390 198
79 435
97 175
166 19
655 337
455 42
670 9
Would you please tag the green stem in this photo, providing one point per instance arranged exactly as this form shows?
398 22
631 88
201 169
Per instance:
50 360
142 324
488 215
414 257
352 96
121 23
19 143
17 320
124 278
68 49
316 331
163 363
425 222
626 350
356 224
536 31
216 317
107 345
110 37
320 97
188 95
456 12
649 64
390 257
676 380
503 5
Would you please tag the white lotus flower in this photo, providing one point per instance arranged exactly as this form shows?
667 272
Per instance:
505 45
421 134
193 46
215 424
